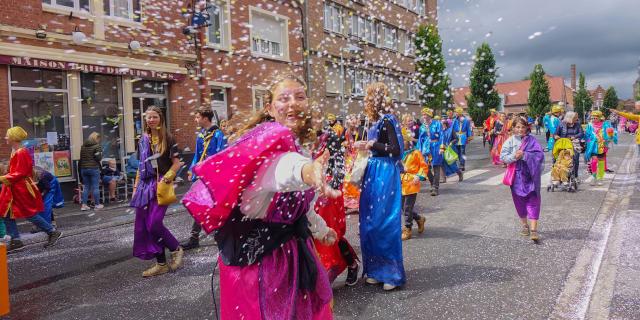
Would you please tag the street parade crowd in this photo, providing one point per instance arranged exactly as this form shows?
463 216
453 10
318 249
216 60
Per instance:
279 218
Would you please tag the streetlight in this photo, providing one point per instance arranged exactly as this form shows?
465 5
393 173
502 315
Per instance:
350 49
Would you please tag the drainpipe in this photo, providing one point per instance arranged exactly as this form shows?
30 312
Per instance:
303 7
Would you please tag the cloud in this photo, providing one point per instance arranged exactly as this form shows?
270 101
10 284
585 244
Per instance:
600 37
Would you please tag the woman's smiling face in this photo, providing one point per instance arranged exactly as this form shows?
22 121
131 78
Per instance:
290 105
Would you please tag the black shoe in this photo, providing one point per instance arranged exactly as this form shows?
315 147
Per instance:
53 238
352 276
460 177
15 245
462 168
191 244
609 171
434 192
34 229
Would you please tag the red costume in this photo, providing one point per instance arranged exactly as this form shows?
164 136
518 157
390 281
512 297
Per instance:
20 198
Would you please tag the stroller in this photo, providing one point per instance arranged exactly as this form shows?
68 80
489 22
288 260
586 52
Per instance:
564 161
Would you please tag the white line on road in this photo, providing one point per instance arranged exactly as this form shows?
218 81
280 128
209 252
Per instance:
493 181
474 173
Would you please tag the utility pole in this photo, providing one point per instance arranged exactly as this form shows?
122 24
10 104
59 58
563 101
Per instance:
199 21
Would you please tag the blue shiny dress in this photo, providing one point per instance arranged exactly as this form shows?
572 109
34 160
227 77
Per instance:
380 208
430 141
448 137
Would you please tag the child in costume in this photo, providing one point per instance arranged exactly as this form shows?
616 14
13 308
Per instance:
598 134
450 138
351 191
430 144
263 212
415 170
560 170
524 150
51 192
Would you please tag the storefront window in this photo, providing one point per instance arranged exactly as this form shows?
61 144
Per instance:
102 111
39 104
146 94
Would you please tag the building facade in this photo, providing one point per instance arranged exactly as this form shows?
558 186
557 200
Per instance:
354 43
597 96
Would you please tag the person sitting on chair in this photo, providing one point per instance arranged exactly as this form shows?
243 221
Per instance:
111 176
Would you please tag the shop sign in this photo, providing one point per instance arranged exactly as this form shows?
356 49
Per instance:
88 68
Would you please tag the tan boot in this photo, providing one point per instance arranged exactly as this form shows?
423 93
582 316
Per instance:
176 259
156 270
406 234
421 223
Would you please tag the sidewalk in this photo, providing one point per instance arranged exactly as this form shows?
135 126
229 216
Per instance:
71 221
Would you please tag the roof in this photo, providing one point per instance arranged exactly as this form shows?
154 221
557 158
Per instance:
517 92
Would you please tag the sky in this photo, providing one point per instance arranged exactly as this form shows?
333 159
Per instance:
601 37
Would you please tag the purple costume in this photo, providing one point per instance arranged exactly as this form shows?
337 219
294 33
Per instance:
525 189
150 235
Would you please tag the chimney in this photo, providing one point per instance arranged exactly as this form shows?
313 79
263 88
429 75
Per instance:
573 77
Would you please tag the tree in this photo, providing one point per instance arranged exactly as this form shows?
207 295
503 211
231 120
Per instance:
539 102
610 101
483 95
582 100
430 66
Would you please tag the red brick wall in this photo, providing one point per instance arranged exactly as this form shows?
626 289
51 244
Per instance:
5 122
183 101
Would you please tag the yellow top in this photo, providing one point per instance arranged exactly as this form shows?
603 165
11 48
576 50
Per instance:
632 117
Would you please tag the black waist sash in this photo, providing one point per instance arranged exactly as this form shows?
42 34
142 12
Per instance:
242 242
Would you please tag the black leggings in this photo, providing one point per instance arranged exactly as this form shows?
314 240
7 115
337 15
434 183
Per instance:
161 257
408 202
346 252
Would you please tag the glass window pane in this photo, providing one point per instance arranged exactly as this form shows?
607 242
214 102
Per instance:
65 3
39 112
106 5
84 5
217 95
121 8
215 31
149 87
38 78
46 1
137 14
101 111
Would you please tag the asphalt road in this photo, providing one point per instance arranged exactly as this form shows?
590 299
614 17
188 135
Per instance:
469 264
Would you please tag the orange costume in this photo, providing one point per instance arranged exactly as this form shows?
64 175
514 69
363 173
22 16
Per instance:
20 197
414 165
350 191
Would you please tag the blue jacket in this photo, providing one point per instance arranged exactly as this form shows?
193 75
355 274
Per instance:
430 142
214 140
591 136
462 130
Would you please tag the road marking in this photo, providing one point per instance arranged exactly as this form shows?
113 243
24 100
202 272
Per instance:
474 173
493 181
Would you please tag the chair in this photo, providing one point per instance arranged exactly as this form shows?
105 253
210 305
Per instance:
121 188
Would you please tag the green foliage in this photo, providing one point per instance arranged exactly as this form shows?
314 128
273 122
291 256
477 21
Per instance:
582 100
430 68
483 96
539 101
610 101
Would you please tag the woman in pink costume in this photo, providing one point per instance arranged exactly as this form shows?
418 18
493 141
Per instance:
258 195
501 133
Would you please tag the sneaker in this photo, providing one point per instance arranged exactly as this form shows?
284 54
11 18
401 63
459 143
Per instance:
15 245
460 176
156 270
53 238
193 243
85 208
524 231
6 239
421 223
388 287
352 276
99 206
434 192
406 233
534 235
54 224
176 259
371 281
34 229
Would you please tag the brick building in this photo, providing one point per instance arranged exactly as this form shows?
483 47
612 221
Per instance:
597 96
355 43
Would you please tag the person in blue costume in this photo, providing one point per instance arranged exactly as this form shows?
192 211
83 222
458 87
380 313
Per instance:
380 203
51 192
554 124
598 134
545 123
430 144
450 138
462 128
209 141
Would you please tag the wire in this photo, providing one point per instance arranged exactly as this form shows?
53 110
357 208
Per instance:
213 291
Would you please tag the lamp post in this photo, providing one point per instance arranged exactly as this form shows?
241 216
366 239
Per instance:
350 49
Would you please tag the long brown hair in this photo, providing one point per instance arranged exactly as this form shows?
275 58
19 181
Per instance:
242 122
521 120
163 135
377 101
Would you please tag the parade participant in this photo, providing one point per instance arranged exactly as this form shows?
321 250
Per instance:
462 127
554 124
3 229
340 255
629 116
159 162
546 122
450 117
351 191
489 125
19 197
500 135
264 215
209 141
335 125
598 135
431 147
570 128
415 170
90 159
450 138
380 204
524 150
51 193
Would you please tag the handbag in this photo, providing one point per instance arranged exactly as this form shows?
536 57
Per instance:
359 165
450 156
510 173
165 192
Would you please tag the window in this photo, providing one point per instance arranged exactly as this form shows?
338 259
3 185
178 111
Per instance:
409 44
219 102
360 79
268 35
333 80
388 36
333 16
70 4
102 111
39 104
125 9
363 28
411 91
217 33
148 93
258 98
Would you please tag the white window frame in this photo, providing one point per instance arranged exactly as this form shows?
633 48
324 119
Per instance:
335 12
409 44
254 101
337 71
130 10
411 91
225 27
388 32
283 46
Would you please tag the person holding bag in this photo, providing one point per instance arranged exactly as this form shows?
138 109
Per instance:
153 192
524 157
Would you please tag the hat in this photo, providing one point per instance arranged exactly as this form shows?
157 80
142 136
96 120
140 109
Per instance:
407 135
556 108
331 117
459 110
437 118
427 111
17 134
492 110
597 114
